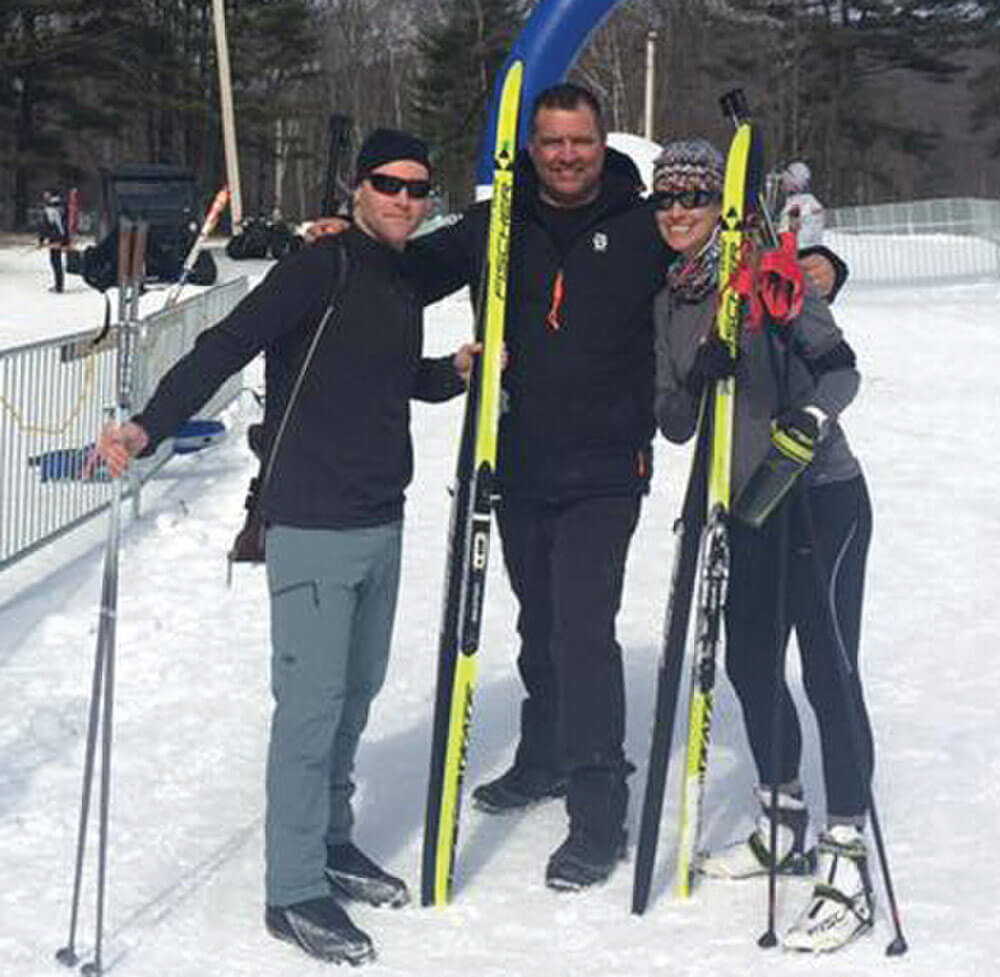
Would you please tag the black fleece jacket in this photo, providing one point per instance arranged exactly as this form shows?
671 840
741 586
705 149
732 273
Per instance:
345 456
579 380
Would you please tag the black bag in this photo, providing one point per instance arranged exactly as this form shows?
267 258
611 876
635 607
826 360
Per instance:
99 265
251 242
204 271
248 546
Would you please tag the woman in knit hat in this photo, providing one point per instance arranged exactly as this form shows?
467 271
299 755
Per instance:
821 382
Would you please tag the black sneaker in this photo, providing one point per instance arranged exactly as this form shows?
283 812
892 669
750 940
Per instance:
582 861
518 788
354 875
322 929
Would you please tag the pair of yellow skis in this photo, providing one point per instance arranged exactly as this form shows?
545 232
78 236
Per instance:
469 534
710 569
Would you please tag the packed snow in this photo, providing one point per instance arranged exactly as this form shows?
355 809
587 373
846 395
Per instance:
192 704
642 151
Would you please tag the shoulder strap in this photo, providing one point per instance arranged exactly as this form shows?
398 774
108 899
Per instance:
341 279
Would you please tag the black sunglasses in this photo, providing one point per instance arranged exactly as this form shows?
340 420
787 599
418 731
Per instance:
688 199
391 185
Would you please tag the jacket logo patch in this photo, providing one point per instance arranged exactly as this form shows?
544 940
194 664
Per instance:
600 241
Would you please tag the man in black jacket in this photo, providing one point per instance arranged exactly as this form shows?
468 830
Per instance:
574 456
340 457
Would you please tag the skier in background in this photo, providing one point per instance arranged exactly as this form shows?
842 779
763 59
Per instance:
822 381
802 213
53 231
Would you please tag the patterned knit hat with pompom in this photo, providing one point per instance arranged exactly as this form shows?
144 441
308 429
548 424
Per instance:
689 164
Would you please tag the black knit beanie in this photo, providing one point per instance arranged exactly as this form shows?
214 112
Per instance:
386 146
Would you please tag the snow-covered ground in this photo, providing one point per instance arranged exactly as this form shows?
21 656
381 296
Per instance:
192 705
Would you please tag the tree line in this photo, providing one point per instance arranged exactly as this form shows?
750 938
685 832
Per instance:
877 95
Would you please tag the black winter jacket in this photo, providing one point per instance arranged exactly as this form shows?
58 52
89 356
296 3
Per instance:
53 225
579 381
345 456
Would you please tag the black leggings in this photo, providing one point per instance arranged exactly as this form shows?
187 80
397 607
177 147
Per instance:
55 259
841 515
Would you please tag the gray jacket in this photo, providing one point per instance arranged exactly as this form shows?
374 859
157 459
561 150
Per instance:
821 373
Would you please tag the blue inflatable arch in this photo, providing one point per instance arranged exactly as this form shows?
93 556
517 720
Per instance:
548 46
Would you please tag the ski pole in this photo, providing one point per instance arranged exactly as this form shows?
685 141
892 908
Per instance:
768 938
208 225
780 372
67 955
131 249
849 685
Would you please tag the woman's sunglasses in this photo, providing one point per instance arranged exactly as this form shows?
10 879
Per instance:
391 185
688 199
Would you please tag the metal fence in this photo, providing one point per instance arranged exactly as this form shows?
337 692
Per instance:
54 397
921 241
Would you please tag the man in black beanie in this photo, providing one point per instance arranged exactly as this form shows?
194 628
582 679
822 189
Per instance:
342 332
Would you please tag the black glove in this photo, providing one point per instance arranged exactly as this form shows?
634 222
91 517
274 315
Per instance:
799 424
712 362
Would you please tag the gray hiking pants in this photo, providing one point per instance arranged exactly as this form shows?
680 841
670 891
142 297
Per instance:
333 598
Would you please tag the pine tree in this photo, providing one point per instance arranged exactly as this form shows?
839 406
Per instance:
827 77
46 66
459 54
985 83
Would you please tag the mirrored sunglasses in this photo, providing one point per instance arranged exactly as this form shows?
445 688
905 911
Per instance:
688 199
391 185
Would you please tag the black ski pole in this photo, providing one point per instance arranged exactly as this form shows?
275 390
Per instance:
768 938
781 373
850 687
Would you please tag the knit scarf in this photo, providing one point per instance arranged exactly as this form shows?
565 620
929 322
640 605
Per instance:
691 279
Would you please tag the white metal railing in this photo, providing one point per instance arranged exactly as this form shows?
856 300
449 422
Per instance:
920 241
54 395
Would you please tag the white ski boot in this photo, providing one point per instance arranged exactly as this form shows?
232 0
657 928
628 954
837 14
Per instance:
842 906
750 858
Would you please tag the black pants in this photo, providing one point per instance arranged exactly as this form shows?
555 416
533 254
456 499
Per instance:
55 259
841 514
566 564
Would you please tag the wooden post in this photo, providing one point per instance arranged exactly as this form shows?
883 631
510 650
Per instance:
228 116
650 78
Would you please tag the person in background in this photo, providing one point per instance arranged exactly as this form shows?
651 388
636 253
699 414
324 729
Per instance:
822 380
801 211
53 231
341 458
